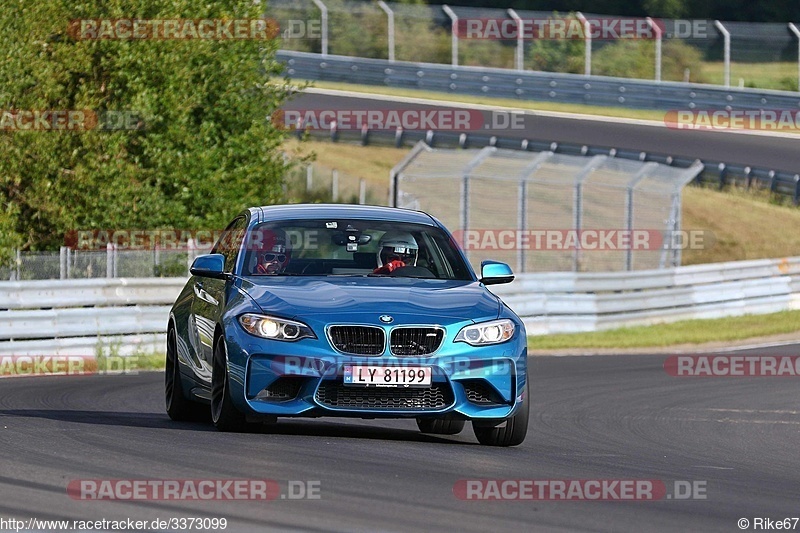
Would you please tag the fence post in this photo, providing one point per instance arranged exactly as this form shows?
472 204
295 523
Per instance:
390 21
726 37
189 253
454 32
18 264
796 32
335 185
587 40
324 16
520 41
309 178
577 206
362 191
109 260
62 262
657 30
641 174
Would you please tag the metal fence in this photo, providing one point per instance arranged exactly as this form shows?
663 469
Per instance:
74 317
113 262
784 185
676 50
550 203
530 85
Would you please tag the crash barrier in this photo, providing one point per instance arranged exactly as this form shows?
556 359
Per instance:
532 85
82 316
568 302
74 317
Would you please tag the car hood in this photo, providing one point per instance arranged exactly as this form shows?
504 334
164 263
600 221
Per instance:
411 298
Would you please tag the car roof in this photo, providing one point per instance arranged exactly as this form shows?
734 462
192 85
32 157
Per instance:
346 211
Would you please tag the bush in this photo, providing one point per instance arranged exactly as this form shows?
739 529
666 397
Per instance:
206 150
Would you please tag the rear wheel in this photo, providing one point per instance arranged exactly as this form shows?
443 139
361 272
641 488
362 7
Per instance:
179 408
508 432
440 426
224 414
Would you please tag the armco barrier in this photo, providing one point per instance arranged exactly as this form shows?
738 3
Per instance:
74 316
532 85
568 302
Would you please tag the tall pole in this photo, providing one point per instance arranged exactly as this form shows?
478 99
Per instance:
657 30
587 40
520 40
797 34
454 32
390 17
726 36
324 15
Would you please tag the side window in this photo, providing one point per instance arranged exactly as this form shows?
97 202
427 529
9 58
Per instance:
230 242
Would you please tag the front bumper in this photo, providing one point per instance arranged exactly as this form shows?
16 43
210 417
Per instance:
306 379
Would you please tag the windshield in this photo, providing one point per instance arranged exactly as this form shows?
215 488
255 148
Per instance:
335 247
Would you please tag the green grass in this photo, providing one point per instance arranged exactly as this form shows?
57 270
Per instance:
778 75
621 112
684 332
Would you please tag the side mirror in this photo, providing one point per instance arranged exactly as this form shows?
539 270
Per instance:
495 273
209 266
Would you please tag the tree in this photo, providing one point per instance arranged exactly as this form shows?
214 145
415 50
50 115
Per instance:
203 149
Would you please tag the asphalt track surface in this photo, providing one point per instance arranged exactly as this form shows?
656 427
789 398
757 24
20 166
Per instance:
765 151
597 417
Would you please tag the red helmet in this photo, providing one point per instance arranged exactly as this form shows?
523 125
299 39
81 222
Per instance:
273 251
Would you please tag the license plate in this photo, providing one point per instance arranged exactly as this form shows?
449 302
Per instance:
387 376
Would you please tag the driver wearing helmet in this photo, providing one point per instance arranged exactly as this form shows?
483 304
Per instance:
396 250
274 253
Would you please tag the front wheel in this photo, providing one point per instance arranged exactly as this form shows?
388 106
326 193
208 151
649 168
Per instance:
224 414
509 432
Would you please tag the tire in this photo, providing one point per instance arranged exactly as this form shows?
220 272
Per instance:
440 426
224 415
514 431
179 408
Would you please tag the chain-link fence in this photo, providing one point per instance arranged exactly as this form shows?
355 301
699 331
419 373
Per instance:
763 55
112 262
312 182
549 212
315 182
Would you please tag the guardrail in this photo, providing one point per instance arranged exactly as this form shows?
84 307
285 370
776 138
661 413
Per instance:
72 317
76 317
532 85
568 302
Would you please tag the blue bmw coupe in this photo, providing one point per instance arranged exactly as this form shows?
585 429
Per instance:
355 311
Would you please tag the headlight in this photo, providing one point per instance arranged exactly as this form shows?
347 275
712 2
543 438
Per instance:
493 332
279 329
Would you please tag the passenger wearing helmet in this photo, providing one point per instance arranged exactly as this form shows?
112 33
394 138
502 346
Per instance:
396 250
273 252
